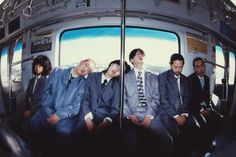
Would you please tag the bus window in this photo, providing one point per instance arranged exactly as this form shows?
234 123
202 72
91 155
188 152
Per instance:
157 45
4 67
103 45
16 64
231 67
220 60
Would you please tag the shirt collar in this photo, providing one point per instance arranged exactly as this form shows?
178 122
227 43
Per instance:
200 77
73 74
103 78
38 77
137 70
176 76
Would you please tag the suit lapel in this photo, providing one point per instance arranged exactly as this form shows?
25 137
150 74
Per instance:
98 78
181 86
134 79
147 84
199 83
66 77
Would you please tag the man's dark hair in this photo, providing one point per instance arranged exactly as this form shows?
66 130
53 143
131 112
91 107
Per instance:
133 53
127 67
45 62
176 56
197 59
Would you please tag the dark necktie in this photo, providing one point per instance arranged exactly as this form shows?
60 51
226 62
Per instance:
141 96
178 101
104 83
70 80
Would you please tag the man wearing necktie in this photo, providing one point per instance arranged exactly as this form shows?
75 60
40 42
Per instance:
100 110
61 99
200 107
41 67
141 112
174 99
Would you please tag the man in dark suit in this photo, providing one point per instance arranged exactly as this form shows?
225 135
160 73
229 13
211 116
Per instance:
174 99
41 67
141 112
200 106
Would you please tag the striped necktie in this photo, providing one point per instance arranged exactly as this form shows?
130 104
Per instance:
141 96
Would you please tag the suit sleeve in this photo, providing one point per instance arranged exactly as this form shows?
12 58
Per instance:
115 108
73 108
207 93
186 97
47 95
155 97
164 99
126 109
36 100
86 105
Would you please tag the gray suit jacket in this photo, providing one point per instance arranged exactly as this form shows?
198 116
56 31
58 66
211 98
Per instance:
131 99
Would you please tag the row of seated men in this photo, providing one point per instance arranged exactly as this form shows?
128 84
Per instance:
168 115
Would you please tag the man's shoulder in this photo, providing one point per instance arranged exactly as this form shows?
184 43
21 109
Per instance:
130 73
165 74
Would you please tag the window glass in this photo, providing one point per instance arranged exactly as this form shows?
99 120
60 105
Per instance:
102 44
220 60
17 57
4 66
231 67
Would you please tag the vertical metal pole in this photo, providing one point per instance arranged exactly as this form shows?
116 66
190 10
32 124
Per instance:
122 58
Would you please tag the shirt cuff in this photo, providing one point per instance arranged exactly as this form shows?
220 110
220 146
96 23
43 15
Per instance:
184 114
88 115
202 109
203 103
175 116
107 120
151 117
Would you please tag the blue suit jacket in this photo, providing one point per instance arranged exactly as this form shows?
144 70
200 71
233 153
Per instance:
101 102
33 99
131 99
169 92
61 98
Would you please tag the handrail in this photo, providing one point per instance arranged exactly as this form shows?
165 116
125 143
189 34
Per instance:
28 9
122 56
22 61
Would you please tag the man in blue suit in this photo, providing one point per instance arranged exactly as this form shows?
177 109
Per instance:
62 98
174 99
100 108
141 112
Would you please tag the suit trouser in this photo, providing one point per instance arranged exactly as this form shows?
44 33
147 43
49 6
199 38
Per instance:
39 122
139 141
101 142
184 137
209 127
48 137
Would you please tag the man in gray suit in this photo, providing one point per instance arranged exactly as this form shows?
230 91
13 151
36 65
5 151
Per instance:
140 114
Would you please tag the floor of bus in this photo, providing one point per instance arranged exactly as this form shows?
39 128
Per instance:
225 143
226 140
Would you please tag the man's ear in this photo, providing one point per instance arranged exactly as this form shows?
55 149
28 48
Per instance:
81 61
131 61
